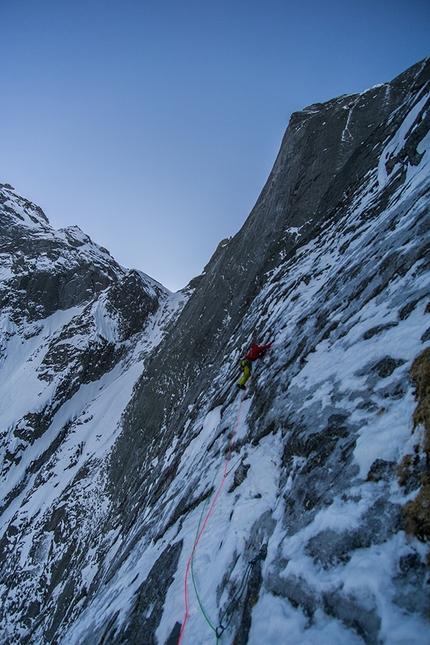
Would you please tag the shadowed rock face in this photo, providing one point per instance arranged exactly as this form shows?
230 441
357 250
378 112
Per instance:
109 467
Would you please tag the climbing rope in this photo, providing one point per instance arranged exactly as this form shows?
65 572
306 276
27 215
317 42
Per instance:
202 609
231 607
229 611
200 530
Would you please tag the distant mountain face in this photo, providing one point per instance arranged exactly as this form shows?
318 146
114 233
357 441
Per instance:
145 498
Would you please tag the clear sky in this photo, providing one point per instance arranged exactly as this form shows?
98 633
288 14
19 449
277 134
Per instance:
153 124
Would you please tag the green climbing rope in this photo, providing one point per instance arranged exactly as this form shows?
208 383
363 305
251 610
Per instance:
202 609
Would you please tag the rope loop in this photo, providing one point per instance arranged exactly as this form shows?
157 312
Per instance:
219 631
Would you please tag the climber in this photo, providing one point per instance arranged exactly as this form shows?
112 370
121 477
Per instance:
256 351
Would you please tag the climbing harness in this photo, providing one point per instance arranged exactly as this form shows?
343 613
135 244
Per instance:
201 529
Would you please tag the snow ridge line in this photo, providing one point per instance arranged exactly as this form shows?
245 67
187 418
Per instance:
214 501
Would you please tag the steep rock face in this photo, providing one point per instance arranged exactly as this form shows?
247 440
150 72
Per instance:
326 155
282 514
341 228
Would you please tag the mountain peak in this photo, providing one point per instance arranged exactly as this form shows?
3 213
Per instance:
21 210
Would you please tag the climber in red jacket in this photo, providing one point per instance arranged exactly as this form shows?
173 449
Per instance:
256 351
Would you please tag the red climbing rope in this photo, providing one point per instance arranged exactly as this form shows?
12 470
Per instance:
199 535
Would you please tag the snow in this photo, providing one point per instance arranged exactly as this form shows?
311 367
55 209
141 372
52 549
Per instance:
21 362
94 412
275 622
397 143
104 323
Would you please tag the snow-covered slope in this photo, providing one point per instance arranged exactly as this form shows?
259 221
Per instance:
76 331
159 504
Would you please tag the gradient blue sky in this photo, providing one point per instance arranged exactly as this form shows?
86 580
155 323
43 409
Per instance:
153 124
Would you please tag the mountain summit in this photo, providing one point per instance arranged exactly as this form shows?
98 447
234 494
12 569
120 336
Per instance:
145 498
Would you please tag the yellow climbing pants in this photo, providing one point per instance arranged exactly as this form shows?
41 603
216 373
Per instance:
246 372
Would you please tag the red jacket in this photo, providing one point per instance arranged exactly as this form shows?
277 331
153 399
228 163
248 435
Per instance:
257 351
